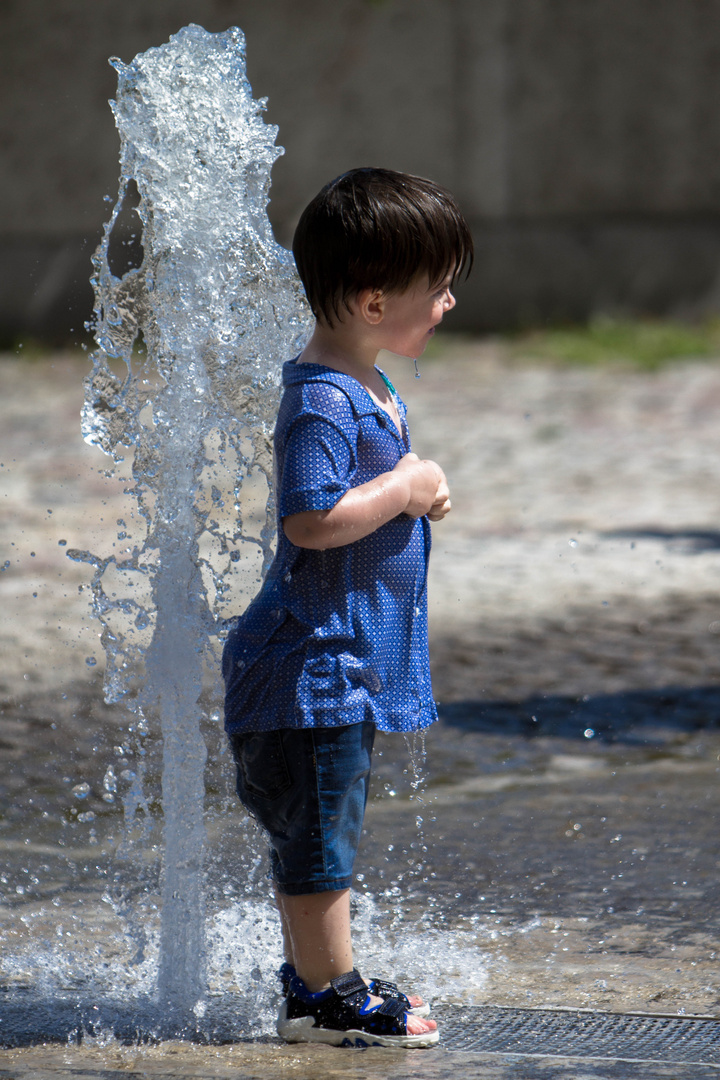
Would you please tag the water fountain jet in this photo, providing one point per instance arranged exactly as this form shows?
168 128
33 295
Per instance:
218 306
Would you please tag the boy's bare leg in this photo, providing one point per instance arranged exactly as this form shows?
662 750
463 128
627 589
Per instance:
318 943
316 934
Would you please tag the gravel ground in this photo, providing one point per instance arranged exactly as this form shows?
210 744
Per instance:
582 554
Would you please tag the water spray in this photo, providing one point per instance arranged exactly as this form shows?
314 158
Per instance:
185 383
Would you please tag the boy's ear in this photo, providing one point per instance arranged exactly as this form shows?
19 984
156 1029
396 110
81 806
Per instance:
370 305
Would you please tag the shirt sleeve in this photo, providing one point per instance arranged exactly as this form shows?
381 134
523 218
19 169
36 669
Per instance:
318 465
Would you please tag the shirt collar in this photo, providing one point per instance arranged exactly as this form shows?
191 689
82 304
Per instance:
363 405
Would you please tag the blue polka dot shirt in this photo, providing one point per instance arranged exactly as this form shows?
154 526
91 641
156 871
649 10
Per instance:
339 636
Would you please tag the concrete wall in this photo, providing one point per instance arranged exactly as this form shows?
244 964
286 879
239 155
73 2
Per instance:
581 136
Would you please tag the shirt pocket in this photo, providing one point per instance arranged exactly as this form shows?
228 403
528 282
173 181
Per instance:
324 677
335 678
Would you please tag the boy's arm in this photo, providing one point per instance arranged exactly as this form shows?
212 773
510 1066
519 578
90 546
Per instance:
413 487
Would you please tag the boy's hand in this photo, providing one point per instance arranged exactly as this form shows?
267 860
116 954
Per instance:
414 487
442 504
428 489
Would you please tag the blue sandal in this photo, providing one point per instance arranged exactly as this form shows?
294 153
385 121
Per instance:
378 988
342 1016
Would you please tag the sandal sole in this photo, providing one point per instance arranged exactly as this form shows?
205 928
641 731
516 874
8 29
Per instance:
304 1029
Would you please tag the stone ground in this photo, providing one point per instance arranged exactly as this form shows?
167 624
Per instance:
570 793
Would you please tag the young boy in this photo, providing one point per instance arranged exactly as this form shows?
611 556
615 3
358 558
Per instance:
335 644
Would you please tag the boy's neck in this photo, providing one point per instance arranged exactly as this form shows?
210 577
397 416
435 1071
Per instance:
342 347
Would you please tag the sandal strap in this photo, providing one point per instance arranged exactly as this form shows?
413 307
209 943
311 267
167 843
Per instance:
351 987
384 989
346 985
392 1007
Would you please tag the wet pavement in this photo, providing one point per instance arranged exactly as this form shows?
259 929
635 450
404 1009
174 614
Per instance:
556 848
268 1062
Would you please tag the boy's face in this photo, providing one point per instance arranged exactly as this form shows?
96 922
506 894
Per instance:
409 318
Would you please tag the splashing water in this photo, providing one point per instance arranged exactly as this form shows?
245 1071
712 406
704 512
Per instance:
217 305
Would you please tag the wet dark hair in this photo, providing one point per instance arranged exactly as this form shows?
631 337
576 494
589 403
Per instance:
377 229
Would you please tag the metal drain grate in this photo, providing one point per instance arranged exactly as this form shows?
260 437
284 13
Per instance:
665 1039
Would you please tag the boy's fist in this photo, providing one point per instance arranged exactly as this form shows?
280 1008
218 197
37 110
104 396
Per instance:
442 505
427 487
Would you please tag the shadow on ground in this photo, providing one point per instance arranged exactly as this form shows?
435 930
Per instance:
687 541
634 717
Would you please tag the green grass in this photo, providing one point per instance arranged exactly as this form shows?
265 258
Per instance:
641 343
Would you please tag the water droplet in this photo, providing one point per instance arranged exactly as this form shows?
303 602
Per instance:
589 732
572 543
90 661
62 543
109 780
81 791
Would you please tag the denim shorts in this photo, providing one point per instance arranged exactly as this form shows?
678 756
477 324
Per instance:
308 788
